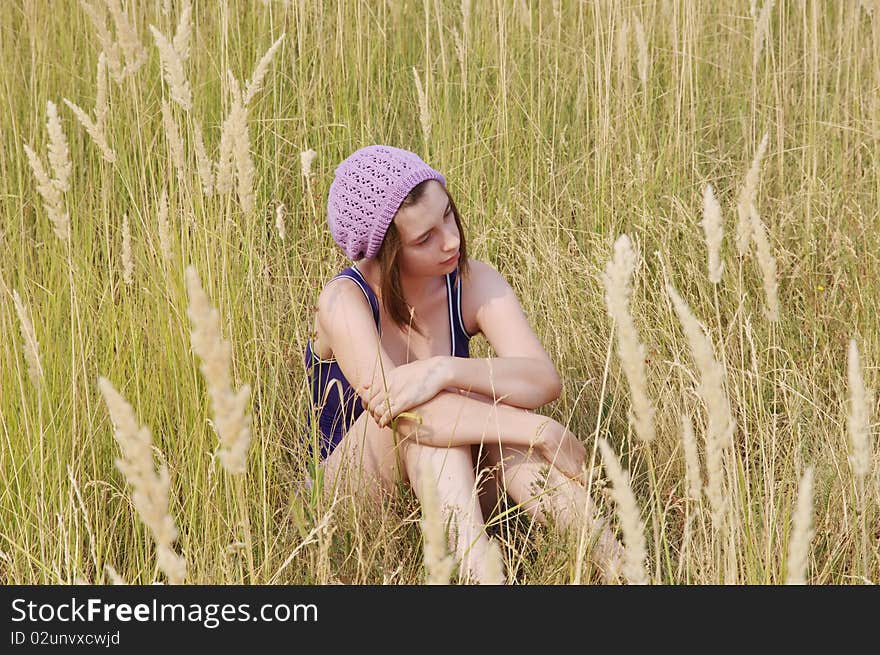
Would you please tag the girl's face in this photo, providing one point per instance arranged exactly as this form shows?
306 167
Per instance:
428 233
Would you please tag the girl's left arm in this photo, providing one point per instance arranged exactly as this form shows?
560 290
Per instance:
519 381
522 374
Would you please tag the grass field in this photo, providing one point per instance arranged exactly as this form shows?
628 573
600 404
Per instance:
560 126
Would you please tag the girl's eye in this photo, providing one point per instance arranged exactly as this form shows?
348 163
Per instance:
425 240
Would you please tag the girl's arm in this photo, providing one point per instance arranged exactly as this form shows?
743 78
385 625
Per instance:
527 382
522 374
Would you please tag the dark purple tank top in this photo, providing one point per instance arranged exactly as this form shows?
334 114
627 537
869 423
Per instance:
334 402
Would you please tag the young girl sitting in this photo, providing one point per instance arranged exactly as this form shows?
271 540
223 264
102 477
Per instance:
391 336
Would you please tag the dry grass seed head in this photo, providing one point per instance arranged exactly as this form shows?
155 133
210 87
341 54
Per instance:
802 531
180 42
150 488
172 68
59 153
231 421
618 291
859 417
747 196
712 227
30 346
439 563
256 82
630 521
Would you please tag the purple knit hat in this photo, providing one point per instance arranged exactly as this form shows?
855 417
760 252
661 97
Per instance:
366 194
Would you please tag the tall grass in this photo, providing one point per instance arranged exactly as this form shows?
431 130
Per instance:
559 127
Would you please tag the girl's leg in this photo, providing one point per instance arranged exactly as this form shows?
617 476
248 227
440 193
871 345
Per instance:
452 471
452 419
545 493
367 459
364 464
458 418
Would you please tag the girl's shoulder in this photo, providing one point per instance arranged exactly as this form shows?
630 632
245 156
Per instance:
482 277
482 283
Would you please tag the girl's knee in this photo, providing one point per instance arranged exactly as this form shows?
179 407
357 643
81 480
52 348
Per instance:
417 456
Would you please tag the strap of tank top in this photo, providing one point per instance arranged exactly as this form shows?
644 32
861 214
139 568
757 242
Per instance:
354 274
456 302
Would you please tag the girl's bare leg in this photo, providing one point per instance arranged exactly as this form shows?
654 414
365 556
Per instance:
368 459
457 419
544 492
453 474
366 462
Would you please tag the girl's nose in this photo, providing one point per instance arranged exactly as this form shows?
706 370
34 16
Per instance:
451 240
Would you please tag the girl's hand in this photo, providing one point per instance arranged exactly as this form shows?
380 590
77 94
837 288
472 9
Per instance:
408 386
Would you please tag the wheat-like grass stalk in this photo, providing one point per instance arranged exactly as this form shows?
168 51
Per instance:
465 18
631 524
102 104
252 87
767 263
621 48
859 416
721 424
93 130
306 157
459 49
439 563
424 112
164 227
691 458
114 576
762 26
235 158
231 421
173 139
279 221
98 15
50 192
644 57
127 259
747 196
618 291
713 230
135 54
493 569
150 489
462 41
241 155
203 162
59 153
180 42
30 346
172 68
802 531
224 174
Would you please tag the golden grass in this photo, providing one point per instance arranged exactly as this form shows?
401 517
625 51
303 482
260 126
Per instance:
559 127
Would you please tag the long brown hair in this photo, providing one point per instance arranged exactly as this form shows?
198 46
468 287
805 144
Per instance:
392 292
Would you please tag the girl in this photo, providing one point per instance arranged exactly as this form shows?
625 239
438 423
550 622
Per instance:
391 336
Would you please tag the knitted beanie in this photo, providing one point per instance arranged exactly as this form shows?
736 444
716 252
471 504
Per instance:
366 193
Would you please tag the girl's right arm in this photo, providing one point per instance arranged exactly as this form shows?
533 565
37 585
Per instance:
346 317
